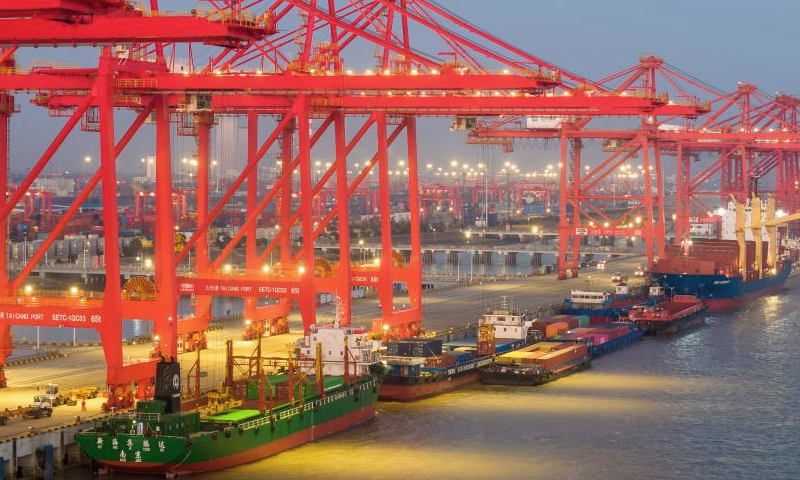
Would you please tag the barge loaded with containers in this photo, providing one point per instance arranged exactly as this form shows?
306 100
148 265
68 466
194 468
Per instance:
536 364
159 438
604 337
673 315
423 367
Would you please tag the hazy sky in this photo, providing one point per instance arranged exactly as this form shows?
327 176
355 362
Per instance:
720 42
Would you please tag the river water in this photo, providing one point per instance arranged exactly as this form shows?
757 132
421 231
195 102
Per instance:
719 402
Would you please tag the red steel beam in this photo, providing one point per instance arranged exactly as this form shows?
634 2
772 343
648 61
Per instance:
29 8
35 32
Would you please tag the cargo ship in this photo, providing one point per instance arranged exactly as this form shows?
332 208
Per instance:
677 313
159 438
420 367
605 337
601 307
536 364
708 269
746 262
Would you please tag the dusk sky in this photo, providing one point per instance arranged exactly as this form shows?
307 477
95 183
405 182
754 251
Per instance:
718 42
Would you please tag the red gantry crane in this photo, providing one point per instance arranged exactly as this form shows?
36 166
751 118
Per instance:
310 91
743 132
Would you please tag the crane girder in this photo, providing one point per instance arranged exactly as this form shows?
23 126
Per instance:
29 8
36 32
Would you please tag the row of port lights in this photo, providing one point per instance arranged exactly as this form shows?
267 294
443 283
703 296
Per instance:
415 72
74 292
301 269
423 93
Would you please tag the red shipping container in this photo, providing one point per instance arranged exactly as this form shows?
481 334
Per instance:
581 330
571 320
559 357
613 331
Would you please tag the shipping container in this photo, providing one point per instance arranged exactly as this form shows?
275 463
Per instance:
614 330
595 338
514 358
555 328
462 356
415 347
554 359
541 324
448 359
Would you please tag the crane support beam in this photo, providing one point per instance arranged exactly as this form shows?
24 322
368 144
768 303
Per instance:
256 83
447 105
441 105
35 32
65 80
706 139
29 8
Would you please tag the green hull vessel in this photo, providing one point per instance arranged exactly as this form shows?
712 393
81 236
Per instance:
179 443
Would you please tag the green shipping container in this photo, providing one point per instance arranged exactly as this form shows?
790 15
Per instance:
253 391
584 320
151 406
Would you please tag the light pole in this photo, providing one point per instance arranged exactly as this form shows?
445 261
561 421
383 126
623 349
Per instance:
482 170
507 171
74 293
216 175
462 193
85 251
468 234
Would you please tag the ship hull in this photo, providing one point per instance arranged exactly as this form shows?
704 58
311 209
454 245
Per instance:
675 326
723 293
210 451
631 337
497 375
263 451
407 389
395 390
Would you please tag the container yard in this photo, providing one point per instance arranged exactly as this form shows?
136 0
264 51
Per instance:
368 238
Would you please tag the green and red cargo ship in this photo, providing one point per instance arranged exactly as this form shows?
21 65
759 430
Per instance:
159 438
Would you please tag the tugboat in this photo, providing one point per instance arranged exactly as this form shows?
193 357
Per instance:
423 367
305 400
537 364
673 315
